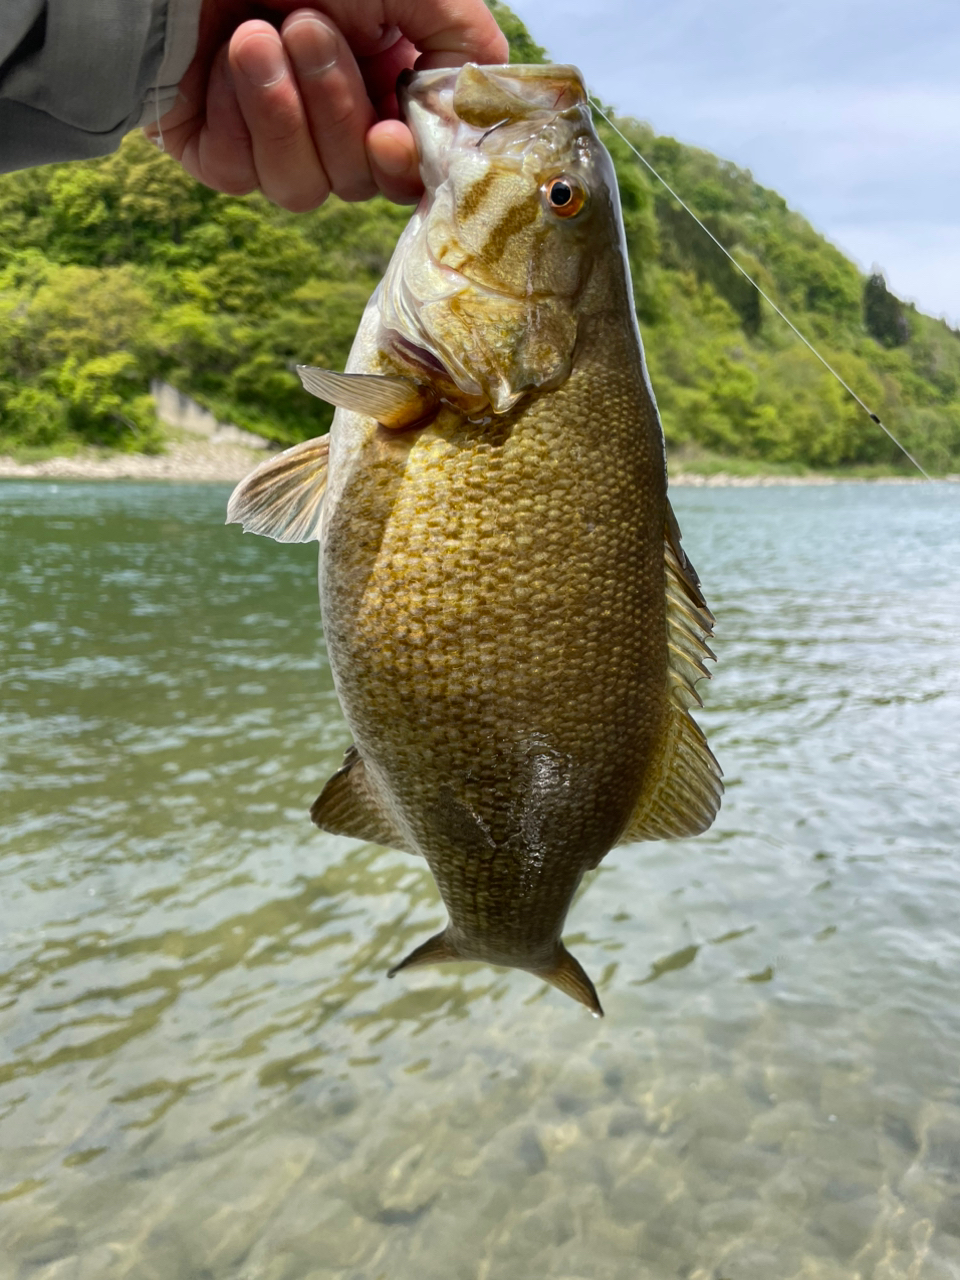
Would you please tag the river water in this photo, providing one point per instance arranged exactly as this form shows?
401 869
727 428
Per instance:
204 1071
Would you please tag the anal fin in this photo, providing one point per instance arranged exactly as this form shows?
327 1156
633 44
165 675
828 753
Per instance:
283 497
347 807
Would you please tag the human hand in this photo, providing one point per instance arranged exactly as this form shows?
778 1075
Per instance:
311 109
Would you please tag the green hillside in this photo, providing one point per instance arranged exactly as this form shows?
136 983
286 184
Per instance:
117 271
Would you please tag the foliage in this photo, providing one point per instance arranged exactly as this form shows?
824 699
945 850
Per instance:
523 48
883 313
118 271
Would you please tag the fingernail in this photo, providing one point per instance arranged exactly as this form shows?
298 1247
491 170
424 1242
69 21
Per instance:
312 48
261 60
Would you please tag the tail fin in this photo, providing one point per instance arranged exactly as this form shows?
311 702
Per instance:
435 950
568 975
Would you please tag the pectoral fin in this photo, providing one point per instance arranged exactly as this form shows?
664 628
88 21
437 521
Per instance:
394 401
681 794
283 497
347 806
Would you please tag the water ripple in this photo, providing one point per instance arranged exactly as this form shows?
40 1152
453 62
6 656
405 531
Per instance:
204 1071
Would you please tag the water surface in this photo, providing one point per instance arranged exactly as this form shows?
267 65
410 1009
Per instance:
204 1071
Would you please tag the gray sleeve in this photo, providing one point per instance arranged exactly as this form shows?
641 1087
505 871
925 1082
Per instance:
76 75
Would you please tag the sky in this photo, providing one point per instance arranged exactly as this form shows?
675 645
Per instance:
850 109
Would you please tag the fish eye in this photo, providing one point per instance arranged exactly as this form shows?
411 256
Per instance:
565 196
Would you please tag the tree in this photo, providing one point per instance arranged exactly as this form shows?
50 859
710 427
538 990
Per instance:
883 313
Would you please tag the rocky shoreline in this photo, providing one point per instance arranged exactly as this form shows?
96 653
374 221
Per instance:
218 461
185 462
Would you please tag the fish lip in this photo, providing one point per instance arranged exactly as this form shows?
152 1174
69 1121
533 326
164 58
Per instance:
563 79
425 99
413 86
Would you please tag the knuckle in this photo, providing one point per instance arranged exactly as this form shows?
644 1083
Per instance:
304 201
283 128
235 186
354 189
340 113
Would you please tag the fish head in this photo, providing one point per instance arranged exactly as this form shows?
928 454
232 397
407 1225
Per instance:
520 204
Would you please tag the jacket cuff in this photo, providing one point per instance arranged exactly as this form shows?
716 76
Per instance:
179 46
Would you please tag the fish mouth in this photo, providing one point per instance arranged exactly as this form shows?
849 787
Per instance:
483 94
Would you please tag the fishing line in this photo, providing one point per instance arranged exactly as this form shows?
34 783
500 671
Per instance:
746 275
158 140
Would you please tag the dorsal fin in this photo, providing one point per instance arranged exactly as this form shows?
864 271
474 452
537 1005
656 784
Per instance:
283 497
347 807
684 569
394 401
681 795
568 975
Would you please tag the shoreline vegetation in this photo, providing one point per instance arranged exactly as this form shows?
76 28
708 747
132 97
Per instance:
192 447
123 274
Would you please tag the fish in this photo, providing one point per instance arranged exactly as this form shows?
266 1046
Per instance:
514 629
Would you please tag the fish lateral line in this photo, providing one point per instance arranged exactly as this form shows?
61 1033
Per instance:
763 294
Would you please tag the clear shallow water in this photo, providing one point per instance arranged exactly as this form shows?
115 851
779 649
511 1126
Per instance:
204 1072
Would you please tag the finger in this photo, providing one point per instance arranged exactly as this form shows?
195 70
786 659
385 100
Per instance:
393 161
222 153
380 75
450 34
286 161
335 100
446 32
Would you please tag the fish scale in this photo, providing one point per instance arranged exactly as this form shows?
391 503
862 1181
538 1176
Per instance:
513 628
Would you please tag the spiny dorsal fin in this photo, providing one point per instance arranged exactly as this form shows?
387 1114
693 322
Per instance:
568 975
347 807
436 950
394 401
681 796
283 497
685 570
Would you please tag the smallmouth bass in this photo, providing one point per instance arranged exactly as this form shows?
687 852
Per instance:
514 629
